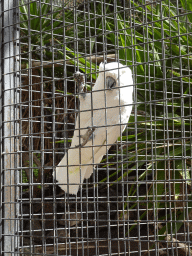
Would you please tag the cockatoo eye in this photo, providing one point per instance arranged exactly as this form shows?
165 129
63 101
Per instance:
110 82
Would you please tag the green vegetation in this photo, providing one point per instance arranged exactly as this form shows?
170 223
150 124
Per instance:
160 52
156 43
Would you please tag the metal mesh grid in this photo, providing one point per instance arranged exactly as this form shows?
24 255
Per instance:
138 200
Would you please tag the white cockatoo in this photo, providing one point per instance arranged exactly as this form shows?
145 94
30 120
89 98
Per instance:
103 116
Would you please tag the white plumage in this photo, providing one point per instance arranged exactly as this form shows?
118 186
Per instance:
103 117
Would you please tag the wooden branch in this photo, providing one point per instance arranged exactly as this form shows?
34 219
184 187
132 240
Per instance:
59 63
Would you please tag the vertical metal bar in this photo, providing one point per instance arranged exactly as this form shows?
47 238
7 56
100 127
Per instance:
30 137
183 134
106 124
9 170
166 125
1 104
65 132
95 178
55 245
136 132
43 204
16 118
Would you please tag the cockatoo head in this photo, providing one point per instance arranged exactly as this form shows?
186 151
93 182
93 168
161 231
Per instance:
113 75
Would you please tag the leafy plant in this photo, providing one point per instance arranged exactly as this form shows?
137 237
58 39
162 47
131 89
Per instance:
47 34
40 23
157 43
160 53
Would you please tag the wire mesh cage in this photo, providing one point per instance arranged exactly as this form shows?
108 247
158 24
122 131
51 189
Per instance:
95 124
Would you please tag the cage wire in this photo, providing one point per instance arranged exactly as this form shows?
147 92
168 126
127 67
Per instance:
138 199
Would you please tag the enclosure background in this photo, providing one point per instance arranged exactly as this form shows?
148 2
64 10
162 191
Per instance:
138 201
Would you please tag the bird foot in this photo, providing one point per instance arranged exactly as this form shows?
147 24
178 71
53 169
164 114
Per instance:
80 80
87 136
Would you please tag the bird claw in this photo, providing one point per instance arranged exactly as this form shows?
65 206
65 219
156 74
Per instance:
80 80
87 136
